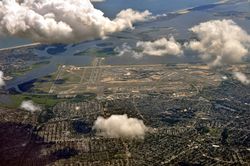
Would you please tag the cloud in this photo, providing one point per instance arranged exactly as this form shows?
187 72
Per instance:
160 47
62 21
220 42
241 77
118 126
125 49
29 106
2 83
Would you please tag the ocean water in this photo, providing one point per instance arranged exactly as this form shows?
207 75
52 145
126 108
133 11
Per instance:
112 7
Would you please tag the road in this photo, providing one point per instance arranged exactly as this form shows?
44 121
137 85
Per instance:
21 46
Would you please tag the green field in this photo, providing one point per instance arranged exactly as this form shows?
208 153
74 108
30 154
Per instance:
26 69
45 100
97 52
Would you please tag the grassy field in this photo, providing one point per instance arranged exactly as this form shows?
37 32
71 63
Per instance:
28 68
45 100
97 52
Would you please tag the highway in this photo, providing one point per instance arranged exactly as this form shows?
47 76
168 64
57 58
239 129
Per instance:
20 46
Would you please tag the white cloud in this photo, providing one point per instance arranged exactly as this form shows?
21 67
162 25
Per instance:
2 83
29 106
220 42
241 77
118 126
160 47
62 21
125 49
